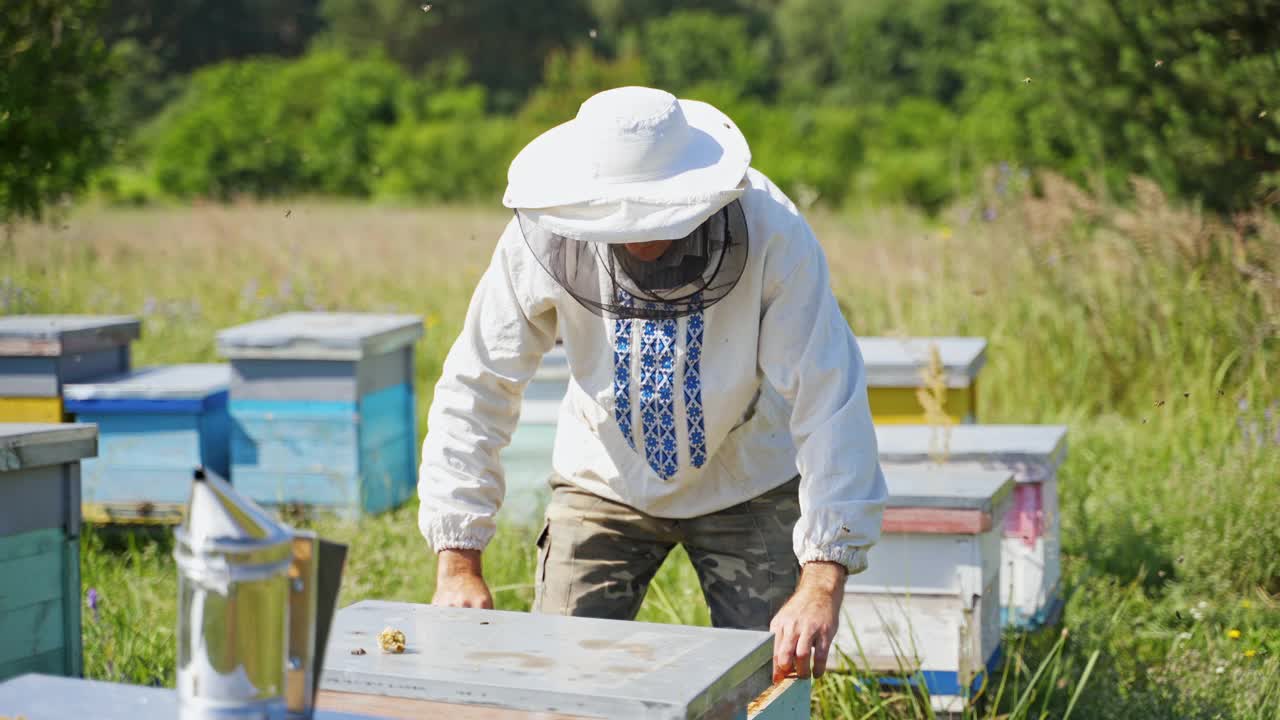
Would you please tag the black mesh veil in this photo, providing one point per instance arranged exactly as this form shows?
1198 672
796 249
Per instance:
695 272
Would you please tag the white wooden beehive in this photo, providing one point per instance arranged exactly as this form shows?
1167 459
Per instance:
1032 538
927 605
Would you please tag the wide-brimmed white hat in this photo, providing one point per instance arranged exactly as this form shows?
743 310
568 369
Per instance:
636 164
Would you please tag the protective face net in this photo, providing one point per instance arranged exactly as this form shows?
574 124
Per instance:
693 273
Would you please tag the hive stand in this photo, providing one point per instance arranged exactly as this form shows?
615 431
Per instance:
40 546
895 370
39 354
1031 544
155 426
323 412
926 610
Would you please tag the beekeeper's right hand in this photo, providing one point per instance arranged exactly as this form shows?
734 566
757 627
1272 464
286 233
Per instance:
459 581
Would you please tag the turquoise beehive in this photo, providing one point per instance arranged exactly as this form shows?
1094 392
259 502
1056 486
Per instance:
40 546
323 413
156 425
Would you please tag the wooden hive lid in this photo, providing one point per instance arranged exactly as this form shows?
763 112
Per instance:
899 362
1032 452
169 382
56 335
28 445
320 336
945 499
947 487
545 663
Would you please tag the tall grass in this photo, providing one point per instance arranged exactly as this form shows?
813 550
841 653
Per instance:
1153 330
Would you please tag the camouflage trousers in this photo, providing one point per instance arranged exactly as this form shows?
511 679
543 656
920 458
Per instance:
596 557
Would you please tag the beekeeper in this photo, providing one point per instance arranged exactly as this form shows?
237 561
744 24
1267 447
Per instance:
717 401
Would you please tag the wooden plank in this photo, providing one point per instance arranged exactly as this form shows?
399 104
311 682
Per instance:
32 580
124 486
785 700
48 663
320 336
409 709
34 499
133 513
36 542
31 630
901 406
24 445
31 410
143 441
72 633
940 521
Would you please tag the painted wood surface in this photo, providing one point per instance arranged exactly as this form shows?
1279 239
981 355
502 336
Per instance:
190 381
901 405
39 602
940 521
320 336
25 445
394 708
31 410
899 362
947 640
56 335
332 380
786 700
40 498
549 663
46 376
346 457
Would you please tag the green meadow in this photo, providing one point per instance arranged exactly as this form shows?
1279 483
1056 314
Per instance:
1152 329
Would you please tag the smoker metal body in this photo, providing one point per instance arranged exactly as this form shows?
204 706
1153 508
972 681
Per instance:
250 622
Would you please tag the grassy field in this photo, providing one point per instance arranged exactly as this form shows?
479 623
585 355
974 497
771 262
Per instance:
1152 330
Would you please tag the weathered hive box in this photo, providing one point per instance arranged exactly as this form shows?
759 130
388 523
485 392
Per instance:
323 410
1031 546
39 354
155 426
40 546
927 607
522 665
527 460
896 368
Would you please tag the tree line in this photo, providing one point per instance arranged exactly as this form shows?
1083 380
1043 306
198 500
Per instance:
923 102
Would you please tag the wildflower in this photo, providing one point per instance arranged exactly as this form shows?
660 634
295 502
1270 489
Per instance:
1203 605
945 232
92 600
1250 653
1234 634
1246 604
1184 636
1220 669
1197 613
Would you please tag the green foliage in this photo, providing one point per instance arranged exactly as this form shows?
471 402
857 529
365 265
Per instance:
54 79
269 127
571 77
689 48
880 51
503 42
1182 92
447 160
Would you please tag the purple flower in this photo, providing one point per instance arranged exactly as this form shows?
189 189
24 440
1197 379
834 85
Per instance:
93 602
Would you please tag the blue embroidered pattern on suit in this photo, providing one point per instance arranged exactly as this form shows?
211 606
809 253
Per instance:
657 395
622 375
657 389
693 390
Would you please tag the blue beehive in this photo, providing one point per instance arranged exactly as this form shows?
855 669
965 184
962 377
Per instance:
40 547
155 426
323 410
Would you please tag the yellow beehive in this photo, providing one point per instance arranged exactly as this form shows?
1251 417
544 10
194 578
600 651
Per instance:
922 380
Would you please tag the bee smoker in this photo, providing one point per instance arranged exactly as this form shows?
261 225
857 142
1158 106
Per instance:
255 599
